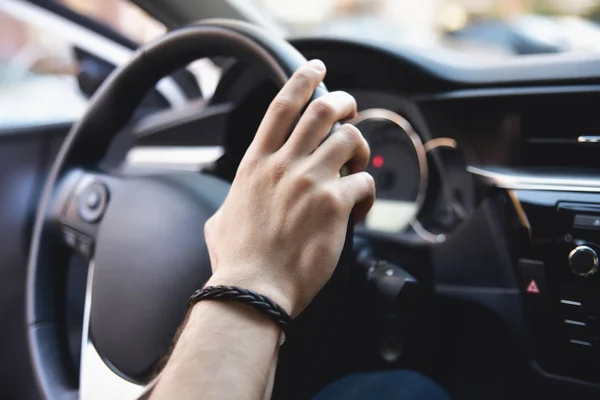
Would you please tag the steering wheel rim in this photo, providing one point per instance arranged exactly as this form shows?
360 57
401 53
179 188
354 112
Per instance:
109 110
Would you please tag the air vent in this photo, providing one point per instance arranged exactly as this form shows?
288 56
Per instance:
562 130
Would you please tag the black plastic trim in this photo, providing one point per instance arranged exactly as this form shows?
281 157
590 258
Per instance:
453 70
507 92
49 129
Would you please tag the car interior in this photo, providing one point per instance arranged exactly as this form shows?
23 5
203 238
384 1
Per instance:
477 265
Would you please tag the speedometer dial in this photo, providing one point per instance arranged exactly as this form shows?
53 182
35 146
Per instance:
399 166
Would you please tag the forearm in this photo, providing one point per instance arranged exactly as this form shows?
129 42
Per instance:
226 351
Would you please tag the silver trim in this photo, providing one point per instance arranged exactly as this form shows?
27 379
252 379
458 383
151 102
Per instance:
589 250
440 142
88 40
580 342
506 178
425 234
171 92
172 158
588 139
570 303
96 379
388 115
573 322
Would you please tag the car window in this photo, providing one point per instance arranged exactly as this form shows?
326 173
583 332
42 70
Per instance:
134 23
37 76
121 15
38 69
490 29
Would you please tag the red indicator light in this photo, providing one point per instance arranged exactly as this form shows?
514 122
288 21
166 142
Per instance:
377 161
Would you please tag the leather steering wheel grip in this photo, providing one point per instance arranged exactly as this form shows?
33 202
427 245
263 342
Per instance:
109 110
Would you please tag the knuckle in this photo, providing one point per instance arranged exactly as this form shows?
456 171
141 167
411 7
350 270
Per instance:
323 109
329 202
278 168
282 105
304 76
351 134
246 167
365 148
209 227
304 182
370 182
347 98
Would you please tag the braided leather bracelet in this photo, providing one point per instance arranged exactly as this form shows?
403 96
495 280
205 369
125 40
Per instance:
257 301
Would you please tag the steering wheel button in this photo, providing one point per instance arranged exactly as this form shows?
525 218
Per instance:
84 246
93 202
70 237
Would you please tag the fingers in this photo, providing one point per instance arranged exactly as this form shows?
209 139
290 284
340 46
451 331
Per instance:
345 145
317 120
358 190
285 109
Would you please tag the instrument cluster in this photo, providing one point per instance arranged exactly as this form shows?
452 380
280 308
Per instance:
423 189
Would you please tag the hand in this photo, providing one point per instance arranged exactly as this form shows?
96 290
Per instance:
281 229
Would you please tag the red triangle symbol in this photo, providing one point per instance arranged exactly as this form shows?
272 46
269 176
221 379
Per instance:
533 287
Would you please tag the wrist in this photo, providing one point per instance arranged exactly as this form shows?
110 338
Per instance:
241 316
258 285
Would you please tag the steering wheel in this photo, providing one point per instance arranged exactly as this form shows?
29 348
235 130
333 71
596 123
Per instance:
143 235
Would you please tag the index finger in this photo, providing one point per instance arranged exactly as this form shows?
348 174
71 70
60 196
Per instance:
286 107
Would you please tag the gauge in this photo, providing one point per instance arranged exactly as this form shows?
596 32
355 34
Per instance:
398 165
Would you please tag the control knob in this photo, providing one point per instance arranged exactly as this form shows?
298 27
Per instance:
583 261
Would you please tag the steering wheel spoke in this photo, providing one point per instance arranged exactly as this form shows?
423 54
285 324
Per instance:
81 201
96 379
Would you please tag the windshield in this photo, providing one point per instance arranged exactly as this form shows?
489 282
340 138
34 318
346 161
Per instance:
492 28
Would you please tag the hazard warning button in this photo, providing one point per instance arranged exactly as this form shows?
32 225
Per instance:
536 298
533 277
533 287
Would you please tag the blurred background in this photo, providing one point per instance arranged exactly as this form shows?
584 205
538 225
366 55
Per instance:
36 64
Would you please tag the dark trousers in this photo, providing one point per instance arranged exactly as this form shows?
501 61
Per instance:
385 385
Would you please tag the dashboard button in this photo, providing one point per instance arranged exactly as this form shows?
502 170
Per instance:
586 221
533 274
577 329
572 295
580 348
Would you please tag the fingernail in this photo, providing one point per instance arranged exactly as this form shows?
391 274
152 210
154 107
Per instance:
317 64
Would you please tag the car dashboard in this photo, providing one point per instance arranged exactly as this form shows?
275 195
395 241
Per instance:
507 199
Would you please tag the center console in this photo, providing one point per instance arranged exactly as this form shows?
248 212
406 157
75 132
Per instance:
560 278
